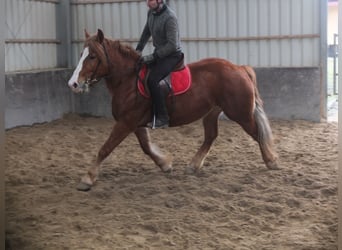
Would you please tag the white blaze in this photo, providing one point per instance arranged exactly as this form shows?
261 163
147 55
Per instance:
74 78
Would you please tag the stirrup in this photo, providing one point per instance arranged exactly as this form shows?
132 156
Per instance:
158 123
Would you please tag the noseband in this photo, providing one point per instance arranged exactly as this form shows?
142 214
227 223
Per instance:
93 78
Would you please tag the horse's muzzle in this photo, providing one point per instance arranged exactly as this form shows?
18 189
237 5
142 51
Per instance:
79 87
75 87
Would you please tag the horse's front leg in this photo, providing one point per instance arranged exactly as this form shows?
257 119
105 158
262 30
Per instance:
163 161
119 132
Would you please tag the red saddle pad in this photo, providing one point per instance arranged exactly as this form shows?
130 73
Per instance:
180 81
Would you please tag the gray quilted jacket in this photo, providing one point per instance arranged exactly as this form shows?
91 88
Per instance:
163 27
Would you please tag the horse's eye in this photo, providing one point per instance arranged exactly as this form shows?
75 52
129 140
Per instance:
92 57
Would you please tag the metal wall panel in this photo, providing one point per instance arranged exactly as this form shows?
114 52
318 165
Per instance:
30 35
122 20
261 33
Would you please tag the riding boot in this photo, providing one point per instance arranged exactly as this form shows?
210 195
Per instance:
161 117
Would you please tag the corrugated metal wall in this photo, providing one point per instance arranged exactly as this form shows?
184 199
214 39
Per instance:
263 33
287 37
30 34
122 20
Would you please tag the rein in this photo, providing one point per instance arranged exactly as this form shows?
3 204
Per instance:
93 78
109 63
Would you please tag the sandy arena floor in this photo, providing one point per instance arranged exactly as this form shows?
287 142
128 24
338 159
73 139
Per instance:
233 203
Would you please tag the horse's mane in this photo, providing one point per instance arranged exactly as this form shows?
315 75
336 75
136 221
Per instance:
125 50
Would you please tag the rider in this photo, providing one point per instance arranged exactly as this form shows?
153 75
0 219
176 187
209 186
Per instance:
162 25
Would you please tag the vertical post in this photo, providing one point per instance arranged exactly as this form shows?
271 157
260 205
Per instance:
335 64
63 29
323 57
2 124
340 128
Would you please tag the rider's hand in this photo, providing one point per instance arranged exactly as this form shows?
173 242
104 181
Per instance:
148 59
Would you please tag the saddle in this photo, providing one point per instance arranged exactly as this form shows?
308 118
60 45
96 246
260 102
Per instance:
176 83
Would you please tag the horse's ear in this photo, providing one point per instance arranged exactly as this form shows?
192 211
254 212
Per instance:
100 36
87 35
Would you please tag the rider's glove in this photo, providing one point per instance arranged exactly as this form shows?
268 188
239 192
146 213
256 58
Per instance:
148 59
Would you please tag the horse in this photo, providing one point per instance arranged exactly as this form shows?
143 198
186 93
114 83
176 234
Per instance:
218 86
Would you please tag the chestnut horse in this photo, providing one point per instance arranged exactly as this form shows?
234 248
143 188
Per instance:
217 86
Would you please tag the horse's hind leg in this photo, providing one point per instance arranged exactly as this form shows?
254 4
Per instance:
164 162
259 128
210 124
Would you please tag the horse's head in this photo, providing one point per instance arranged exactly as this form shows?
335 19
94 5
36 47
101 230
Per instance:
93 64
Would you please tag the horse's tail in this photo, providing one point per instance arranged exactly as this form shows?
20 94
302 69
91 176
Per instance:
251 73
265 137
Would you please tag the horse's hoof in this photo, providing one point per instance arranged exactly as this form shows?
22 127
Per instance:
272 165
167 170
189 170
83 187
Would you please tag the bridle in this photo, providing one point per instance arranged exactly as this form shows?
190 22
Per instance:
93 79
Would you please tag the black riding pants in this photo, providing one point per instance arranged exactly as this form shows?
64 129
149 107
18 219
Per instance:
158 70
